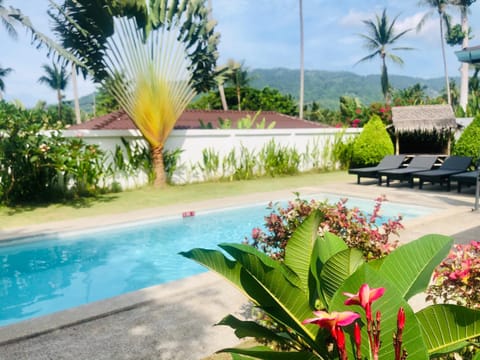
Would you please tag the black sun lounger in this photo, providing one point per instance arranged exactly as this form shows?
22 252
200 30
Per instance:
451 166
465 178
387 163
418 163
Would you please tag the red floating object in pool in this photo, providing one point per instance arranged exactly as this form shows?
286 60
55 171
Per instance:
188 213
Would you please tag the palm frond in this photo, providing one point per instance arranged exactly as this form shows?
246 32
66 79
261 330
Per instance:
156 86
369 57
396 59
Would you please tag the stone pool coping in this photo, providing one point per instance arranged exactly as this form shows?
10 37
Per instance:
210 297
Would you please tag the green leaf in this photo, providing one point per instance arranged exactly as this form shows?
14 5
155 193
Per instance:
252 329
445 325
298 251
240 251
388 305
216 261
329 245
337 269
268 284
410 266
325 247
265 353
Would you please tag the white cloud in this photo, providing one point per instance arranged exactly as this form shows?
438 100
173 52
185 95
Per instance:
355 18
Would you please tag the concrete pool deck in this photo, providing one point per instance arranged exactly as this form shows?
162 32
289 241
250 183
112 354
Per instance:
175 321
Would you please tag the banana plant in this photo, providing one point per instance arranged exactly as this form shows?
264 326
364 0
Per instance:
317 273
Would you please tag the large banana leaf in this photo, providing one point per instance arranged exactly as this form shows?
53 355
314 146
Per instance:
266 282
410 266
325 247
388 305
216 261
299 249
265 353
252 329
273 291
445 326
336 270
244 253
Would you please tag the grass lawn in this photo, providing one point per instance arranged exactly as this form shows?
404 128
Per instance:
149 197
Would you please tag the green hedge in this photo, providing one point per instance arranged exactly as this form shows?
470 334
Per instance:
373 144
469 142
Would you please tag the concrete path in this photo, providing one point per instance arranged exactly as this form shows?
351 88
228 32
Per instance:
175 321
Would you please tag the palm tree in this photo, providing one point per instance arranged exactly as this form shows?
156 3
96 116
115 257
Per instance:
3 72
57 79
381 35
11 17
463 6
238 77
440 7
155 93
156 87
302 69
8 21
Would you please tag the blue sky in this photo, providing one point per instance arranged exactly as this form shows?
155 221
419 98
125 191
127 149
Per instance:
265 34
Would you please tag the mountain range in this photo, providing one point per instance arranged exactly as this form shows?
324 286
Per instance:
325 87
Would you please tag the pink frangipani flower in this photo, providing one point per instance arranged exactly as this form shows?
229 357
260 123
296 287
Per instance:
365 296
332 320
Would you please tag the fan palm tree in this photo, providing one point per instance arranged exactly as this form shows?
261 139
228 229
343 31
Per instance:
440 7
463 6
153 95
156 87
381 34
3 72
57 79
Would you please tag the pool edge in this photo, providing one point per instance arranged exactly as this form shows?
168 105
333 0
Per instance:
170 292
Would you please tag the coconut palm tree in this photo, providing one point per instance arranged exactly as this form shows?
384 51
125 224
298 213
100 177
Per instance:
238 77
440 7
12 17
8 21
463 6
57 79
3 72
381 34
302 69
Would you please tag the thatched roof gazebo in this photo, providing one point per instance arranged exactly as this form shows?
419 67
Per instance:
425 118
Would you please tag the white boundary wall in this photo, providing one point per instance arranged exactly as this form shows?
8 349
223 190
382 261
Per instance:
193 142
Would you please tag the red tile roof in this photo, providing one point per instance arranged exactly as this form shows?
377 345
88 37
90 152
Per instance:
190 119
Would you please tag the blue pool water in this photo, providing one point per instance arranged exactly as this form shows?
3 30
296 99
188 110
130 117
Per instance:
44 275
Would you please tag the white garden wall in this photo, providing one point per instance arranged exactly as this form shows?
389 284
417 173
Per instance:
193 142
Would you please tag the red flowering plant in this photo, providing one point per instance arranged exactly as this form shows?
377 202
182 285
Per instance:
457 279
315 276
335 322
365 232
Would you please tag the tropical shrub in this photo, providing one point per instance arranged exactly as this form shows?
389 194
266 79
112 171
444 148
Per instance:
356 228
469 142
320 274
267 99
373 144
42 166
134 158
457 279
278 160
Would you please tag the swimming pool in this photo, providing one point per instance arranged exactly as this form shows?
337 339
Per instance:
43 275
